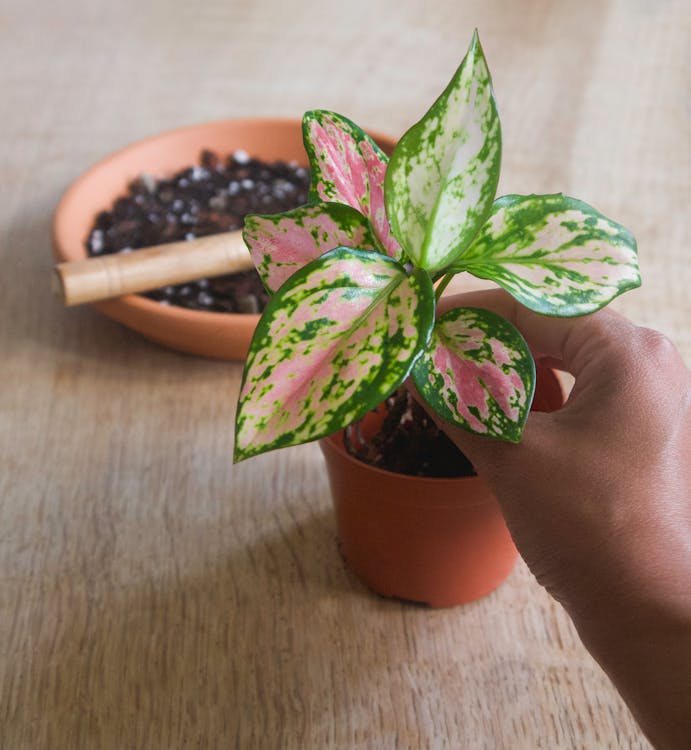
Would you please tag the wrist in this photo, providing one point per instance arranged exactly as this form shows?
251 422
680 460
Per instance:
648 658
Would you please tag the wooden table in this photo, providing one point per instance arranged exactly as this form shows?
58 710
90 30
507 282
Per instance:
152 595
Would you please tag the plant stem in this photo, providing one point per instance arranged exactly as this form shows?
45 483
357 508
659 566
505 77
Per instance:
442 285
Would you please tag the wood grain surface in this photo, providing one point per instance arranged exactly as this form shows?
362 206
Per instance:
152 595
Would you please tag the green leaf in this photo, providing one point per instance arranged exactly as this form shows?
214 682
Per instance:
280 244
443 174
554 254
347 166
338 337
478 373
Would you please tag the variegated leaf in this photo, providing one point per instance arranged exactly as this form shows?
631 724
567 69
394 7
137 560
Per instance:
443 174
348 167
335 340
555 254
478 373
280 244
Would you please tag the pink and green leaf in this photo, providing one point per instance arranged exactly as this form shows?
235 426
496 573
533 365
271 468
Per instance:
554 254
443 174
281 244
348 167
478 373
335 340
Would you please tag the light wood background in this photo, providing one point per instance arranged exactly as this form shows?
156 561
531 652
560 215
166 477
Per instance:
151 594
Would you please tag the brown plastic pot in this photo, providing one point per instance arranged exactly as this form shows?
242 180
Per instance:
208 334
440 542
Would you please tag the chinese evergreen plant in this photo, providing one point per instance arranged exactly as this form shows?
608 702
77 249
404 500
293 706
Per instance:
353 272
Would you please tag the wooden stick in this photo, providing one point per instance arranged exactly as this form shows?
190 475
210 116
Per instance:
152 267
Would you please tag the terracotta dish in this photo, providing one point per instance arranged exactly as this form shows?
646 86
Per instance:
208 334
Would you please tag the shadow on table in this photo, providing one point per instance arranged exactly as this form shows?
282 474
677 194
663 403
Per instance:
258 651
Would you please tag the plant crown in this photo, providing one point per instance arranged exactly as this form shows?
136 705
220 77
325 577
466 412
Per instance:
353 272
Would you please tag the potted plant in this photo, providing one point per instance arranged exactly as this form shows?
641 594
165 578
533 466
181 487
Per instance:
357 273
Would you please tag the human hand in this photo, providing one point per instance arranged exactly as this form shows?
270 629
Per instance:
598 499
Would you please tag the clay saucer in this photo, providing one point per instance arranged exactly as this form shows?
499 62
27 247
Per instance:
207 334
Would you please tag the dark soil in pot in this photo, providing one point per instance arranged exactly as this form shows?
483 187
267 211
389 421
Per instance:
408 442
210 197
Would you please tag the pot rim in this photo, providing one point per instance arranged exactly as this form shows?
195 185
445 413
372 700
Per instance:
137 302
337 443
452 490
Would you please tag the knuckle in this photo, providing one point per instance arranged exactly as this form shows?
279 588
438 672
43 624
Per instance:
660 356
656 346
661 375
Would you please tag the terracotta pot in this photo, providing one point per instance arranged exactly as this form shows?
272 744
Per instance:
441 542
218 335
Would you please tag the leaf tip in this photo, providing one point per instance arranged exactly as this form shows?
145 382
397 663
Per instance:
239 454
242 453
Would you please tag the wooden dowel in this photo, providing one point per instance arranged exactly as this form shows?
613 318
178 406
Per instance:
152 267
